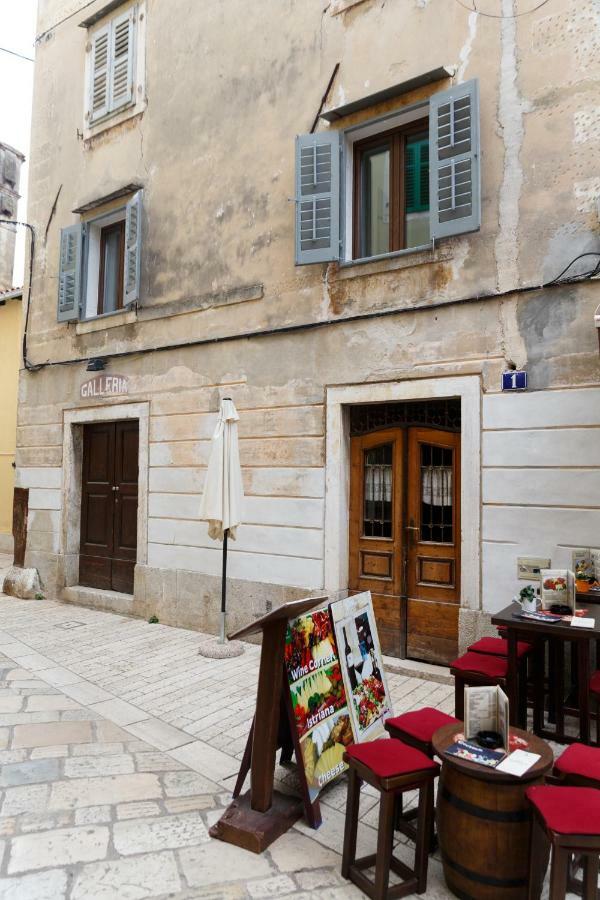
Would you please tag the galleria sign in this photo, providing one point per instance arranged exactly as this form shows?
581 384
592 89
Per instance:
104 386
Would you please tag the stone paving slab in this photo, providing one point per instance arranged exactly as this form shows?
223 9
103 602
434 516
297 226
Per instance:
118 751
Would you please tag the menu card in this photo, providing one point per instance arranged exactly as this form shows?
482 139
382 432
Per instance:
486 709
518 762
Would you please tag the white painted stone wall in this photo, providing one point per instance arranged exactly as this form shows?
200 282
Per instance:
540 482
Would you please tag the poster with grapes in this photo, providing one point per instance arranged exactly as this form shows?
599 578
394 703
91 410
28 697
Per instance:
318 698
361 662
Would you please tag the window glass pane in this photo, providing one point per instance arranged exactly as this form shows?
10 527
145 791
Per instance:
436 494
112 269
377 509
375 225
416 181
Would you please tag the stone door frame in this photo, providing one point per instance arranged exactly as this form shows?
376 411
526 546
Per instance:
338 400
73 422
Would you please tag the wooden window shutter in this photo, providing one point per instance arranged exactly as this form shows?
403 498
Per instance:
121 60
454 154
417 176
69 273
317 197
7 204
99 74
133 243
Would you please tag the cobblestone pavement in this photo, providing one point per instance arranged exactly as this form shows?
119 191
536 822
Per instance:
119 746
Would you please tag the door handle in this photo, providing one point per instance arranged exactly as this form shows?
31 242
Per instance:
411 527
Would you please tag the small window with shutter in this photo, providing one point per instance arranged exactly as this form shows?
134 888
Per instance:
403 186
111 66
99 265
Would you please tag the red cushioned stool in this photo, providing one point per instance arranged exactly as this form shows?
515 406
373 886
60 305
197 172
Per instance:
568 817
392 768
578 766
499 647
418 727
474 669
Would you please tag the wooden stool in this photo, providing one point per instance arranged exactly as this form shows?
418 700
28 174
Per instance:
392 768
418 727
577 766
569 817
594 687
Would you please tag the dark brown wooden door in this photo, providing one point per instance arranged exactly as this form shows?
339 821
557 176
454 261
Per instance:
376 537
405 537
433 544
109 499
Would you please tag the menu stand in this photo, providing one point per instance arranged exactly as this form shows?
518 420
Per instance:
261 815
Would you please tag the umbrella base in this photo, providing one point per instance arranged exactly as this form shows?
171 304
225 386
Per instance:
214 649
252 830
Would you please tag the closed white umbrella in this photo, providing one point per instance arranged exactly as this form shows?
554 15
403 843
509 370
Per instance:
223 498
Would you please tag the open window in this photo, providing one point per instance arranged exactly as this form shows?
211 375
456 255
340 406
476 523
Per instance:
390 185
100 263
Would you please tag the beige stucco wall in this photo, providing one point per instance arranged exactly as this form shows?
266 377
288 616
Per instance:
214 151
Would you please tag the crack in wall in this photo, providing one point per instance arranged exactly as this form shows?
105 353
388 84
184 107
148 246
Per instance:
465 50
511 109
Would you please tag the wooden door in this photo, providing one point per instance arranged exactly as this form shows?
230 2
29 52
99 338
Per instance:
433 544
376 538
109 493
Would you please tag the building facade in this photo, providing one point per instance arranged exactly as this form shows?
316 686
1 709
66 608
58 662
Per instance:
351 218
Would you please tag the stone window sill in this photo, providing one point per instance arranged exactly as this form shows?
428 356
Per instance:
391 262
112 320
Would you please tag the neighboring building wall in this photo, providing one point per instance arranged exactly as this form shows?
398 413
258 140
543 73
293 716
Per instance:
214 152
10 175
10 334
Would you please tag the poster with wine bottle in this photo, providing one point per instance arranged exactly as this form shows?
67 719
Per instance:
369 701
318 698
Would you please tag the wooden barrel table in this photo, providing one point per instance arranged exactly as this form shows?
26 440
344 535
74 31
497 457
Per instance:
484 824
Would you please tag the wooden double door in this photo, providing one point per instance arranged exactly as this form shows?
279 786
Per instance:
109 505
405 537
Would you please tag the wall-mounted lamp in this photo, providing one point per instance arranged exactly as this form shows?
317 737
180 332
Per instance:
96 365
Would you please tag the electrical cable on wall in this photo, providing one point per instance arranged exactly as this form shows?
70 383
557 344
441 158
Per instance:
526 12
27 365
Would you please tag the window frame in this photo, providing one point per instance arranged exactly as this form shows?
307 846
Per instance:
105 231
396 139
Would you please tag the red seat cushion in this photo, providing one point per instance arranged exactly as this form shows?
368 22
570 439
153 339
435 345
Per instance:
490 666
422 723
568 810
578 759
595 683
387 757
498 647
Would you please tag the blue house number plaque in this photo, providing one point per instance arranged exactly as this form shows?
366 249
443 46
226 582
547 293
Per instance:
514 381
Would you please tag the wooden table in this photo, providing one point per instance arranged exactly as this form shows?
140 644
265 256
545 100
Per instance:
528 630
484 823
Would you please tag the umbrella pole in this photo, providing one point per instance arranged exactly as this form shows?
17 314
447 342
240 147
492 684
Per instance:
224 585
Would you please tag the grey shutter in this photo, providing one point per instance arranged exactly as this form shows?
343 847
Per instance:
69 273
10 168
121 61
133 243
317 197
454 171
99 73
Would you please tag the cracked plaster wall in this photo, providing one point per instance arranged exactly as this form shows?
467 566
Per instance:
215 152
